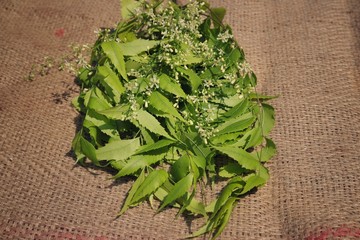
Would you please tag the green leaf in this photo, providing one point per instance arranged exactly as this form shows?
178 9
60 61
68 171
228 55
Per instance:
127 36
119 112
267 152
231 170
167 84
138 162
118 149
268 118
180 168
255 138
137 46
230 121
189 59
200 161
218 222
194 170
234 56
254 180
237 109
225 217
180 188
235 125
149 122
89 151
104 124
118 165
128 7
132 65
234 100
217 15
151 183
222 139
196 207
161 103
194 79
111 82
76 147
76 102
132 191
114 52
251 138
256 96
154 146
149 137
94 99
194 142
244 158
225 195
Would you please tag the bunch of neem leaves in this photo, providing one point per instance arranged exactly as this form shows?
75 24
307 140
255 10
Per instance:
169 99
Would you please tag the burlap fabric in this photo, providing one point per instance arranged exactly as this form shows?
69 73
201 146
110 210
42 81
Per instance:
306 51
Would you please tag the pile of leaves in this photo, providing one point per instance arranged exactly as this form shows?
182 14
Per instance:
169 99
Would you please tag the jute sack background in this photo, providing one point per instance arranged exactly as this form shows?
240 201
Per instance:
306 51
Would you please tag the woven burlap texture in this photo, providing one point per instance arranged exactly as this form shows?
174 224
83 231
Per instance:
303 50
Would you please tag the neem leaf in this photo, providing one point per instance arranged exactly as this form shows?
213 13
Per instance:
137 46
235 126
118 165
244 158
256 96
250 139
151 183
255 138
128 7
154 146
180 188
76 102
149 122
167 84
218 222
196 207
234 56
222 139
95 100
118 113
132 191
191 59
217 15
180 168
231 170
253 181
114 52
89 151
118 149
200 161
76 147
106 125
238 109
225 217
194 79
138 162
268 118
111 82
161 103
225 194
266 152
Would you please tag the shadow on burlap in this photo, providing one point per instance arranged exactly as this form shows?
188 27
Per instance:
305 51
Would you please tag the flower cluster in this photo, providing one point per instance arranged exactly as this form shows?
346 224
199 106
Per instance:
182 44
